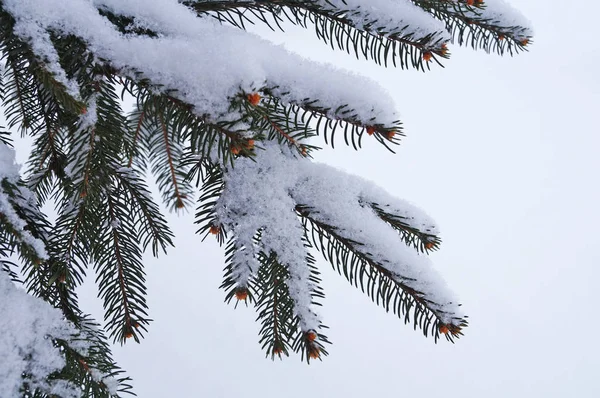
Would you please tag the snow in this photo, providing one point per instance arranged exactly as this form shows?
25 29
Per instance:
28 324
208 63
8 167
205 62
262 193
501 13
9 171
387 15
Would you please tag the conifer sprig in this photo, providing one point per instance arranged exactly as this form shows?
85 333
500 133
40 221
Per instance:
385 288
374 41
469 26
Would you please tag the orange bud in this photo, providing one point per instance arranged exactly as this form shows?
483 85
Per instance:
83 194
500 37
215 229
235 150
370 130
427 56
128 335
524 42
311 336
304 151
444 49
444 329
470 2
241 293
314 352
455 330
254 98
179 203
429 245
249 144
390 135
277 350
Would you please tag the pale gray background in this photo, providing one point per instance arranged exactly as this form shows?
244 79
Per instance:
503 152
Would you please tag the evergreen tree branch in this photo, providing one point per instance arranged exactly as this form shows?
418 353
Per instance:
280 326
412 235
334 26
385 288
44 278
152 226
294 122
469 26
179 197
121 277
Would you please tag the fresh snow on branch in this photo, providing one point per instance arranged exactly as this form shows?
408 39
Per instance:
206 62
390 15
502 14
9 172
262 194
26 348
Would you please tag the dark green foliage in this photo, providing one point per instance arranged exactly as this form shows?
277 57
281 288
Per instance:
374 279
469 28
91 158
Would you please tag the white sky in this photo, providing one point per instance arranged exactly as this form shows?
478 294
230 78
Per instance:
503 152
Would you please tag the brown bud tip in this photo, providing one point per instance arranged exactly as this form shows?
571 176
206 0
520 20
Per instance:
62 278
254 98
83 194
311 336
470 2
277 350
444 329
444 49
215 229
179 203
390 134
427 56
241 293
303 150
500 37
128 335
235 150
524 42
429 245
455 330
314 352
249 144
370 130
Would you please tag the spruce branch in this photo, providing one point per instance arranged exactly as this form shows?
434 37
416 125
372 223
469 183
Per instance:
121 276
147 218
336 27
281 329
211 176
374 279
306 119
469 26
411 234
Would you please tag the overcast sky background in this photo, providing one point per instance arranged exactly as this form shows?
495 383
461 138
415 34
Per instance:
503 153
